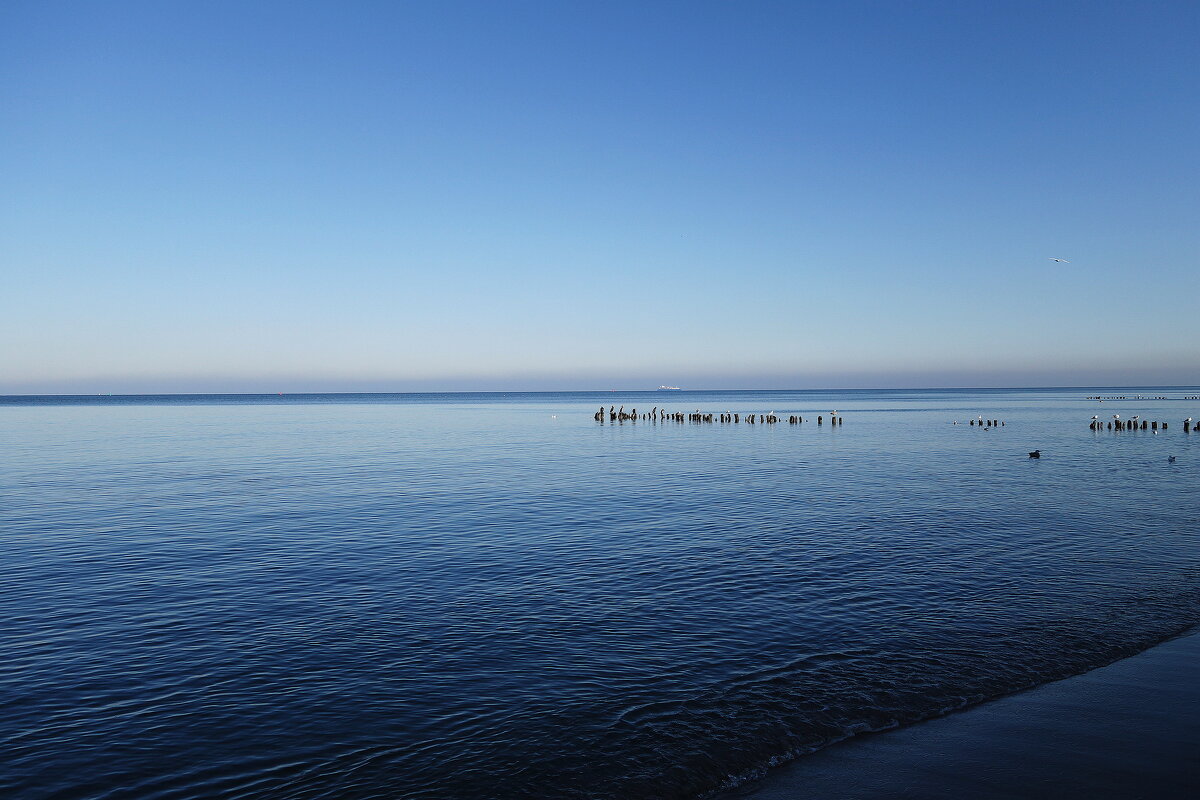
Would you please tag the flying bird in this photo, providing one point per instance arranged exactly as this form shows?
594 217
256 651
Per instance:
1059 260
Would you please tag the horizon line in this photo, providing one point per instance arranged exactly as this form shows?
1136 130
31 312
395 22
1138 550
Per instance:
599 391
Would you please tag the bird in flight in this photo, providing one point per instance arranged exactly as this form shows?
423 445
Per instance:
1060 260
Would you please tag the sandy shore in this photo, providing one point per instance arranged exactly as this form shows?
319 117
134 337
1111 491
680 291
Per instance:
1128 730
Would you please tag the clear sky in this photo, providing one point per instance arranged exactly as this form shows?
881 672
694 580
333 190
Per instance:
288 196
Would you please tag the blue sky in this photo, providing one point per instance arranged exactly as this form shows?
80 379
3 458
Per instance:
390 196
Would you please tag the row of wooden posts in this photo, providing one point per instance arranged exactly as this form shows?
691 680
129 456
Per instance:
655 415
1134 425
1134 397
621 415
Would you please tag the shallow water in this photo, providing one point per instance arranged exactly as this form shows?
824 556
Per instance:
494 596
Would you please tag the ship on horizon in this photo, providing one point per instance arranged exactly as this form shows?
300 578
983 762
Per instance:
669 389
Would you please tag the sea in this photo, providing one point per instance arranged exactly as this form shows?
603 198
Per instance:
497 596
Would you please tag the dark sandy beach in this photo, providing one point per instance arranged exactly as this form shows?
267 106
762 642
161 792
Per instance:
1127 730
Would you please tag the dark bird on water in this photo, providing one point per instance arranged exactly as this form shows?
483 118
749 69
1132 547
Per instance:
1170 459
1036 454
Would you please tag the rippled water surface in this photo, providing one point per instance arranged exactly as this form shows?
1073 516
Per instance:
473 596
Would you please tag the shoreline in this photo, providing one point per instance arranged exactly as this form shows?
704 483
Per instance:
1128 729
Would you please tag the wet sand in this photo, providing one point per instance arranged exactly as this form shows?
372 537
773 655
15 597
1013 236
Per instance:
1127 730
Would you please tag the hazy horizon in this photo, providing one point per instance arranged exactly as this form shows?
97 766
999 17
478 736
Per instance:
910 381
1140 375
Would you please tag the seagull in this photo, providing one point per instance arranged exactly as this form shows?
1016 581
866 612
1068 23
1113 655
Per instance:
1059 260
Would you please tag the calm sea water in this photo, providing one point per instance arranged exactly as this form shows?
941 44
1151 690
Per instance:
467 596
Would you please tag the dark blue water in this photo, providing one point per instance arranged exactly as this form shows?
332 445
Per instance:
473 596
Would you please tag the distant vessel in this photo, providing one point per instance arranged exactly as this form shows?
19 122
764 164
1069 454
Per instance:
669 389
